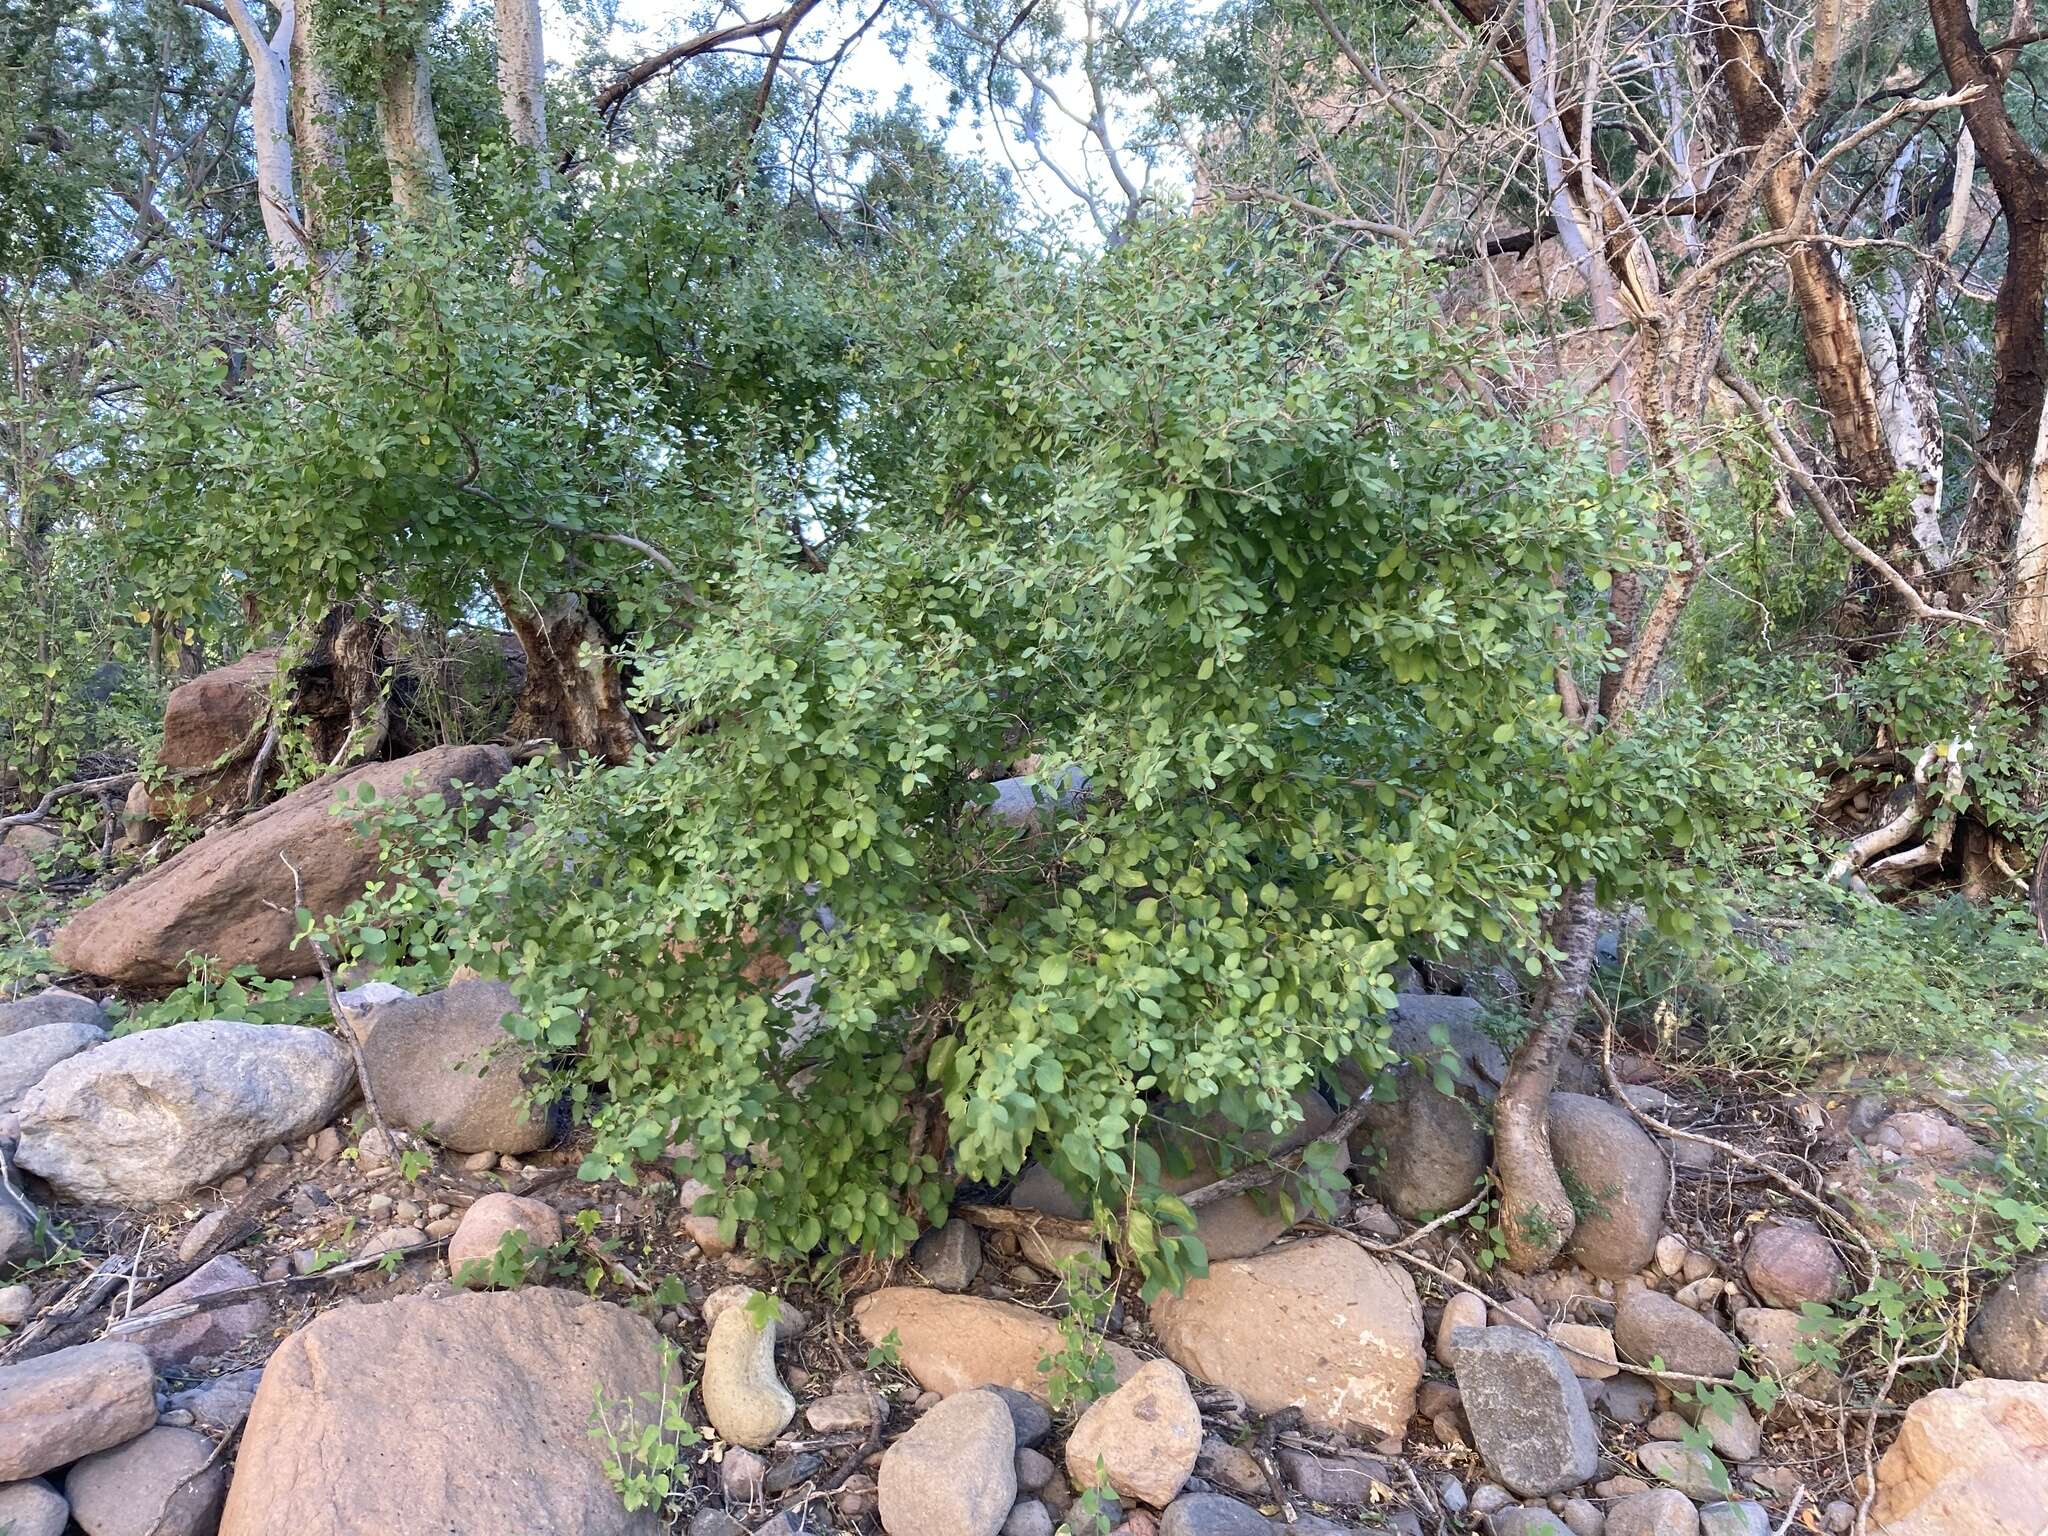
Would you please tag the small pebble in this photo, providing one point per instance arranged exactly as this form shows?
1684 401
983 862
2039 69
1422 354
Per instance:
17 1305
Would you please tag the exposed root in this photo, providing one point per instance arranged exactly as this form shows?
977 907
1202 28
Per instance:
1870 856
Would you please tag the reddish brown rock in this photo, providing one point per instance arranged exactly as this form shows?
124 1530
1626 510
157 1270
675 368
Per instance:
1969 1461
212 729
466 1415
957 1343
1320 1325
231 896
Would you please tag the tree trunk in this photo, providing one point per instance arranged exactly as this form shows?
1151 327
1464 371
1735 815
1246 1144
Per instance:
1827 321
2026 632
522 78
574 692
2019 345
412 140
1536 1212
316 116
271 135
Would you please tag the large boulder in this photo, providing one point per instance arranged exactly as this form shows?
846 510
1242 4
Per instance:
2009 1335
156 1115
212 729
1529 1417
230 896
466 1415
27 1056
1319 1325
1969 1461
70 1403
1617 1178
959 1343
444 1065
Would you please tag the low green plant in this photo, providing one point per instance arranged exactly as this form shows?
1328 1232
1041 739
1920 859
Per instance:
1814 974
1081 1369
516 1259
646 1443
237 993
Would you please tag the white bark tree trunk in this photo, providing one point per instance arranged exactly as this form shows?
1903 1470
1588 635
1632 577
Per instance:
522 78
271 133
2026 634
412 139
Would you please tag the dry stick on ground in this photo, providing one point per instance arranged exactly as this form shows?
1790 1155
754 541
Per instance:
341 1018
1650 1122
217 1299
1261 1174
65 791
1004 1218
72 1324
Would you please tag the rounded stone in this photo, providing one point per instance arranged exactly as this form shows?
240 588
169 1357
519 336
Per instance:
1617 1178
1463 1313
484 1227
33 1508
1789 1264
2009 1335
1660 1512
1142 1438
158 1484
1650 1326
743 1397
1211 1514
953 1473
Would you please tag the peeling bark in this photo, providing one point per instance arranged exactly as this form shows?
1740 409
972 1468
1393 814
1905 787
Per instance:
574 692
412 139
1827 322
2026 634
270 131
316 116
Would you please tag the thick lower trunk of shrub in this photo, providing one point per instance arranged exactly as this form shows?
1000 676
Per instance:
574 692
1536 1213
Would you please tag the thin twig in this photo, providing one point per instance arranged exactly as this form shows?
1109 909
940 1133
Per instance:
1650 1122
341 1018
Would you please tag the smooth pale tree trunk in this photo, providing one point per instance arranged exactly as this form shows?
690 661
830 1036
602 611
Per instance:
522 78
270 134
2026 634
316 118
412 139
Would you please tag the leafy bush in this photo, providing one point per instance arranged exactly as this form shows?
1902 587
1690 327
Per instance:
1250 561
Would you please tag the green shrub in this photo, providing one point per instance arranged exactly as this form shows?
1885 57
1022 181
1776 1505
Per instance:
1252 561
